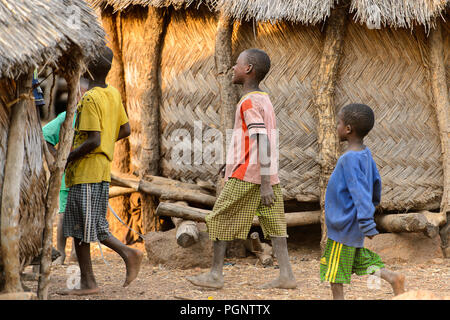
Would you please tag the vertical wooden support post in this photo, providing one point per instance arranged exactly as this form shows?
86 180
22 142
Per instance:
324 101
143 37
439 91
10 215
65 143
223 57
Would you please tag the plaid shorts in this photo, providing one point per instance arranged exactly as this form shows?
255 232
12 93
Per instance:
233 212
85 215
339 262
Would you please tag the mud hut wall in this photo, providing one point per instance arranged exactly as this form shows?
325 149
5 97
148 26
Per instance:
385 69
32 203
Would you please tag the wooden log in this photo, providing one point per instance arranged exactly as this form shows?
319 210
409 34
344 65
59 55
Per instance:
65 143
132 181
119 191
177 192
223 57
10 214
262 250
437 219
439 89
324 102
406 222
187 231
196 214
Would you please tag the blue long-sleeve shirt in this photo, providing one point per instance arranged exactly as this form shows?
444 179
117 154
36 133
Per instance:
353 191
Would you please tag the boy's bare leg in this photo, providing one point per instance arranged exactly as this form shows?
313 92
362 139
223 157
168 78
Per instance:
286 279
396 280
73 253
130 256
88 285
213 278
337 289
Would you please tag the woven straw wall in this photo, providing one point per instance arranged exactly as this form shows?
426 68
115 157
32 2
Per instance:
386 70
189 88
32 201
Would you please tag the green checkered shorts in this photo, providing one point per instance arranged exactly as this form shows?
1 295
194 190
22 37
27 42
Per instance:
339 262
233 212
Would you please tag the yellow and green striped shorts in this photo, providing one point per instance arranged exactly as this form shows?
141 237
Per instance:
339 262
233 212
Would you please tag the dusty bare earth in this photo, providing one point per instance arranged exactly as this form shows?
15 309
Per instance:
242 277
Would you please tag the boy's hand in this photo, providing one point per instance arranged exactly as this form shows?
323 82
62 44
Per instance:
267 195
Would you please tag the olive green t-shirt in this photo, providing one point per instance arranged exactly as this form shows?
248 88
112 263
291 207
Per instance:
100 109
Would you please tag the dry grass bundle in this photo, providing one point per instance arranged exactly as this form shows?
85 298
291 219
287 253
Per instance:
34 180
35 32
398 13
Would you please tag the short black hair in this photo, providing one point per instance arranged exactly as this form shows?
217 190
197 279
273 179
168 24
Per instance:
100 66
260 61
359 116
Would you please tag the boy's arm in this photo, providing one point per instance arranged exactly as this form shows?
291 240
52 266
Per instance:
254 119
376 199
267 195
361 195
124 131
93 141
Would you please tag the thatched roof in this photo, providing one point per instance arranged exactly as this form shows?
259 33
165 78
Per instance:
34 32
376 13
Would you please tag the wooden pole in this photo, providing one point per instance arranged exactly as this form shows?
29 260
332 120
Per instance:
441 101
143 35
65 143
223 57
195 214
406 222
10 214
324 101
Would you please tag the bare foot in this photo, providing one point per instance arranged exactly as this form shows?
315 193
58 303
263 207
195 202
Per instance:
133 264
398 284
280 284
207 280
79 292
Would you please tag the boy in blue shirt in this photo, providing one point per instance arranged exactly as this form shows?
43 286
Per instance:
353 191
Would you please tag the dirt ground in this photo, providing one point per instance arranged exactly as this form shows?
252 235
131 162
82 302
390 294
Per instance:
242 277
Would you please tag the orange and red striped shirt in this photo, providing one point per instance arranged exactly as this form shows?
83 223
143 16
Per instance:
254 115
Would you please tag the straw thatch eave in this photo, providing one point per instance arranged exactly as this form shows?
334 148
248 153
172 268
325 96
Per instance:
36 32
374 13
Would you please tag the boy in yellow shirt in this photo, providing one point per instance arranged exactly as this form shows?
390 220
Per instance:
101 121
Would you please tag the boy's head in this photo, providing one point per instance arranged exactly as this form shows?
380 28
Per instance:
251 64
100 66
355 119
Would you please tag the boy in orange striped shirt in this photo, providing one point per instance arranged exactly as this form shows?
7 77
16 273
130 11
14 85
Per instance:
251 175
